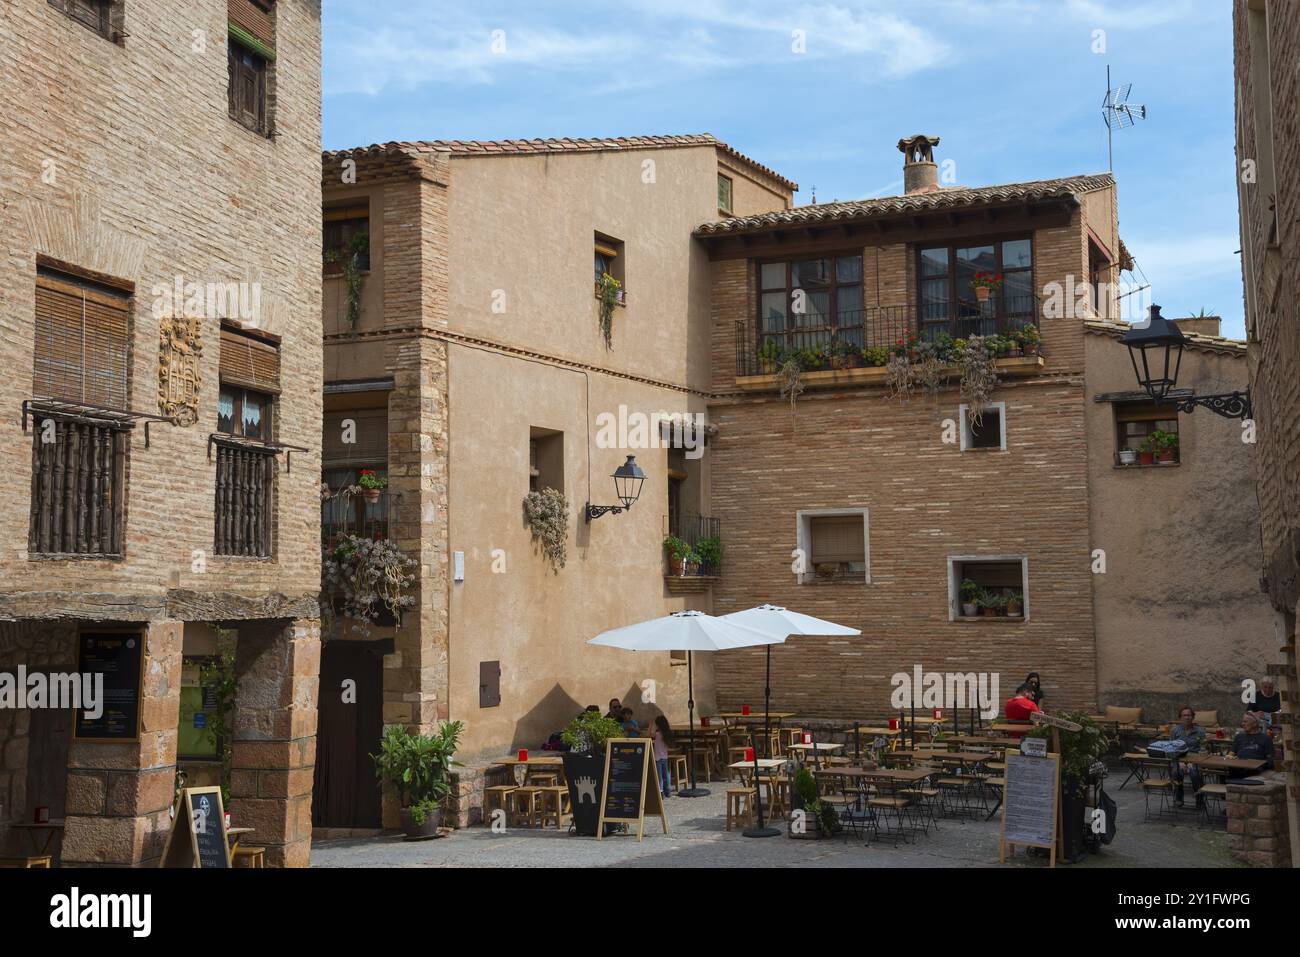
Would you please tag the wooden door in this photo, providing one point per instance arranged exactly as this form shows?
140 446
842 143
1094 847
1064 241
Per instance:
346 792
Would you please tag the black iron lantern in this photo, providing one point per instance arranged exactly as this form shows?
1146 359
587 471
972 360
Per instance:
1156 351
628 479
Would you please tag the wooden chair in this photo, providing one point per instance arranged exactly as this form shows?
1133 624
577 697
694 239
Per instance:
246 856
28 863
740 804
1216 794
497 797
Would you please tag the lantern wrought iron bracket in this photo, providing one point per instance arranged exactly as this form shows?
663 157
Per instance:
596 511
1230 405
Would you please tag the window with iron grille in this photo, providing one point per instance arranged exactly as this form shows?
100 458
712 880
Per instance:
95 14
78 486
245 482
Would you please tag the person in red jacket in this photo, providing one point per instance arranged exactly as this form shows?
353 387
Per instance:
1022 705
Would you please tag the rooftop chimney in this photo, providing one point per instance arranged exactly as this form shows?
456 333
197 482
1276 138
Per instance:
920 174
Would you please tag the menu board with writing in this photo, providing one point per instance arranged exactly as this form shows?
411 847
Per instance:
1029 802
119 657
631 786
198 836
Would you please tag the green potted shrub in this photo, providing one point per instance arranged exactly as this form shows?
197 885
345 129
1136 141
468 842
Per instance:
417 768
584 766
709 550
677 551
1147 451
372 484
1080 750
989 603
1014 605
817 819
1165 446
970 593
769 357
1030 339
875 356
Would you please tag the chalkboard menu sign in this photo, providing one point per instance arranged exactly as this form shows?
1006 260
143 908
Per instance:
1029 803
198 836
119 657
631 786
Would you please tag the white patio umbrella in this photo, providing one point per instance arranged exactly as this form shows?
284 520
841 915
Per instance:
688 631
777 621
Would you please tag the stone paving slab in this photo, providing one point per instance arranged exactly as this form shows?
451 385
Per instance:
697 839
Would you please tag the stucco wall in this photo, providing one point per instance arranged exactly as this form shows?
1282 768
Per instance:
1180 616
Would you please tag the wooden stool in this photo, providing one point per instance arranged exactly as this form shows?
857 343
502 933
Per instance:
544 779
524 804
497 796
677 769
551 802
740 802
249 857
27 863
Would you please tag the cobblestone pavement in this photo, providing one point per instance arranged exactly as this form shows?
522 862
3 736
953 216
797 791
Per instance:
697 839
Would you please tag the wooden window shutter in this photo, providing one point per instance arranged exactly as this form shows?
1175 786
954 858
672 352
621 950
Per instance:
249 362
371 445
254 18
82 342
837 538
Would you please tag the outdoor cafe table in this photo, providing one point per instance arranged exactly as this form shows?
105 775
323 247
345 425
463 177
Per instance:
764 764
234 834
46 829
982 739
1214 762
1012 726
777 716
548 761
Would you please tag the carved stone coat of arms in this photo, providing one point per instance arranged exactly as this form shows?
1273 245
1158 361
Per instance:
180 346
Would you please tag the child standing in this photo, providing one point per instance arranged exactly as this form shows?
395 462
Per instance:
663 738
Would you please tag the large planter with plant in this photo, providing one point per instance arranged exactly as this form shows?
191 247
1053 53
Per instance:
709 551
1165 446
584 766
417 768
769 357
818 819
678 554
1080 750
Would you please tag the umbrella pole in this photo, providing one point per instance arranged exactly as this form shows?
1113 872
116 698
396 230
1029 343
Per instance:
767 716
759 831
691 791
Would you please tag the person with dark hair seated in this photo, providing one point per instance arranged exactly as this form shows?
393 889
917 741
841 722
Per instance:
1252 743
1022 705
1192 735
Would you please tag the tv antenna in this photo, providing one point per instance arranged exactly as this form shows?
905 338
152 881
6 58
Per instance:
1118 114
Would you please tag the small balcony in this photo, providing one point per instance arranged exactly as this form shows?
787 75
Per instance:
701 569
349 512
853 348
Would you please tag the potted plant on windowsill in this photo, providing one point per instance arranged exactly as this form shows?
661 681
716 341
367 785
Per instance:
990 603
985 283
372 484
1165 446
1030 339
584 766
677 551
1015 605
1147 451
970 593
1128 456
709 550
769 357
417 767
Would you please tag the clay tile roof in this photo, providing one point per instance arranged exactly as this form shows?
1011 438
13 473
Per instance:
948 198
565 144
1196 340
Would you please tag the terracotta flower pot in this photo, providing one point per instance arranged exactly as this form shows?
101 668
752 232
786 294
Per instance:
1013 609
982 293
675 566
1146 458
372 495
1165 456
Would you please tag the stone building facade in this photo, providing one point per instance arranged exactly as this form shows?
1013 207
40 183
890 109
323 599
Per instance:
1266 37
472 364
160 328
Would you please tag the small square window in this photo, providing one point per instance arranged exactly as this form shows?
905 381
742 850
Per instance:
545 459
834 545
987 431
724 194
993 587
1146 433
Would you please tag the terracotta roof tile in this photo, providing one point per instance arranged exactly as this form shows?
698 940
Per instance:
561 145
886 205
1197 340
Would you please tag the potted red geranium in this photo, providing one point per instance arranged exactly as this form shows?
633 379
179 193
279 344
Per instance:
372 484
985 283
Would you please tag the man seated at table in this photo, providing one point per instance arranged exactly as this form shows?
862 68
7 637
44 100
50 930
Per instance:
1267 703
1252 744
1022 705
1192 735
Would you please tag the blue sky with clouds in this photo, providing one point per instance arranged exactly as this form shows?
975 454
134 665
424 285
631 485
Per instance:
1013 87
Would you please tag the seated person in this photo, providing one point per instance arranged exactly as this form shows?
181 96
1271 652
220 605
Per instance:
1268 702
1192 735
630 728
1252 744
615 710
1022 705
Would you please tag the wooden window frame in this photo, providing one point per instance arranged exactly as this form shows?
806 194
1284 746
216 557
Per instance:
953 323
240 395
103 19
256 120
833 287
731 194
956 565
1144 411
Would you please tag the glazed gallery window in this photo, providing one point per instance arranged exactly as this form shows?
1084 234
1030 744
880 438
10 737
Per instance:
834 543
948 298
812 295
95 14
81 425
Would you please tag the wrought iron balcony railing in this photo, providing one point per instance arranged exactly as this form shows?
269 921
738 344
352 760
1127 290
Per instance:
866 337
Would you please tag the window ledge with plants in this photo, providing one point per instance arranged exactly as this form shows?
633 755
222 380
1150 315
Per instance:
692 569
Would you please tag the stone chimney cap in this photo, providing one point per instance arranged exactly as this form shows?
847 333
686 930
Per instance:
918 148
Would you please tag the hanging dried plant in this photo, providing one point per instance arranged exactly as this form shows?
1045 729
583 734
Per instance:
547 514
792 384
979 377
898 378
930 372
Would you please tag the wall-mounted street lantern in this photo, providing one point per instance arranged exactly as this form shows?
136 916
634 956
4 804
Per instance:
1156 351
628 479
